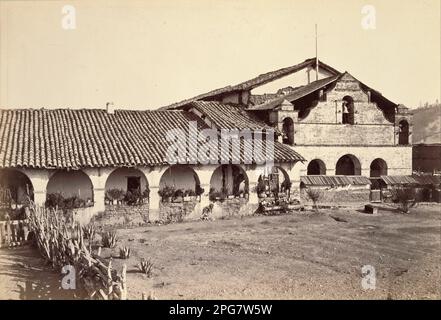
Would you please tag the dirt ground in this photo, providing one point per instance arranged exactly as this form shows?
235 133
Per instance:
296 256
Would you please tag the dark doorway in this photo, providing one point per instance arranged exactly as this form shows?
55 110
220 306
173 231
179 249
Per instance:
348 110
378 168
288 131
348 165
403 137
133 184
316 167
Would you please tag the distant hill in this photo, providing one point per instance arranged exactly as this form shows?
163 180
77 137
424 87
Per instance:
427 124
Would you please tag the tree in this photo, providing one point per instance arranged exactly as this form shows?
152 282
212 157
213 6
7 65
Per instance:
314 195
406 198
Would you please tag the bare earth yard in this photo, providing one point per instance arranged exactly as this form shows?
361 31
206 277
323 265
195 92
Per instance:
295 256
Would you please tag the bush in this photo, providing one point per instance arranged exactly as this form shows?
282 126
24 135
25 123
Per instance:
178 193
166 193
133 197
406 198
56 200
189 193
115 194
314 195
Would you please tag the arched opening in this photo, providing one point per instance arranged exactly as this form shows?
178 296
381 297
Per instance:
403 135
348 110
228 181
378 168
69 189
348 165
275 183
288 131
15 188
179 181
316 167
127 185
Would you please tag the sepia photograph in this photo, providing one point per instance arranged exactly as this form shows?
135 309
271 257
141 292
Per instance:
239 152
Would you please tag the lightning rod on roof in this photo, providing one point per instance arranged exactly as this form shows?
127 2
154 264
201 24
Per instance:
316 54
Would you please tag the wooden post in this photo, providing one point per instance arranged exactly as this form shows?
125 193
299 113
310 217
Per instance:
7 233
2 229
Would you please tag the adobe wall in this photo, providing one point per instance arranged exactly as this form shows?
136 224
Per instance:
340 194
322 125
398 158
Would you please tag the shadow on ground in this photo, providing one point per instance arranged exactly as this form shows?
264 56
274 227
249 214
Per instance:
24 275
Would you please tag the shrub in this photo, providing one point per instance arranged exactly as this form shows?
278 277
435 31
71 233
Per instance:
109 239
189 193
314 195
133 197
406 197
115 194
74 202
166 193
54 200
178 193
146 267
146 193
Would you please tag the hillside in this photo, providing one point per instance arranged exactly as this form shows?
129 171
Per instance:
427 124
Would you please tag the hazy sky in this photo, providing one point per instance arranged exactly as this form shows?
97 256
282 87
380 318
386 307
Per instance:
146 54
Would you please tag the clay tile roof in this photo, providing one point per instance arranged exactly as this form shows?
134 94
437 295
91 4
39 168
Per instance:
322 180
399 180
296 94
229 116
68 138
255 82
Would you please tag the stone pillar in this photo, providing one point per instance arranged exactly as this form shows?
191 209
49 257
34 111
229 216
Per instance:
153 176
294 175
204 174
39 179
253 178
98 177
154 200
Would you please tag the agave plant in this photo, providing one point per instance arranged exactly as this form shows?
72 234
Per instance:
109 239
124 253
146 267
89 232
